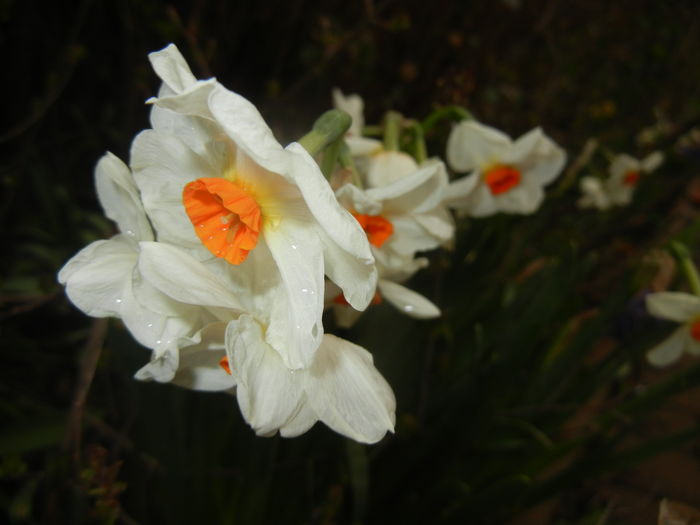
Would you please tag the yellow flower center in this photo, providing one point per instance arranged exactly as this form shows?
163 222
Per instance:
501 179
226 218
377 228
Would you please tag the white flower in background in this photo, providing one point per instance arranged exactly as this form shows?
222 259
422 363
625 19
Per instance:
506 176
354 106
400 218
405 216
340 386
618 188
682 308
214 181
103 280
378 166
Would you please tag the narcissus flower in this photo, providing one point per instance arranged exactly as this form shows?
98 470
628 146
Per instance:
103 280
354 106
340 387
682 308
214 181
618 188
400 218
506 176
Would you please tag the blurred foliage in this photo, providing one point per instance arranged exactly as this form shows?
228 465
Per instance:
529 392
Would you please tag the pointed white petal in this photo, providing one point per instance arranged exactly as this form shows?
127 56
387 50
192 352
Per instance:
459 190
119 197
408 301
418 191
347 392
652 161
94 277
472 145
674 306
354 106
669 350
353 198
268 392
525 198
171 67
622 164
537 156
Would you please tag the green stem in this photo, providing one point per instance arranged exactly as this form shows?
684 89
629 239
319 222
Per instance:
330 157
327 129
420 152
346 162
392 130
372 131
449 112
687 265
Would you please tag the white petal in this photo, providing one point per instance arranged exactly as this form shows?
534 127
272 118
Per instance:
172 68
652 161
459 190
162 367
268 392
669 350
182 277
296 331
341 229
674 306
245 126
472 145
354 106
347 392
594 195
481 202
119 197
408 301
162 166
94 277
525 198
193 101
438 223
353 198
537 156
389 166
419 191
410 237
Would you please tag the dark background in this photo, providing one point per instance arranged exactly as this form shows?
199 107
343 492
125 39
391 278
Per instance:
77 76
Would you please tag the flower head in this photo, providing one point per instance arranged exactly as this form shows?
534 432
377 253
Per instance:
214 180
506 176
680 307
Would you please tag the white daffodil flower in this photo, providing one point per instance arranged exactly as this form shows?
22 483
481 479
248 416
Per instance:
103 281
682 308
617 190
340 387
506 176
400 218
214 180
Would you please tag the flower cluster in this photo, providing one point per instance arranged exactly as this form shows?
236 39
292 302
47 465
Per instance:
231 246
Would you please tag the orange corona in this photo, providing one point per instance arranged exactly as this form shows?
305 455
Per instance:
631 178
695 330
226 218
377 228
501 179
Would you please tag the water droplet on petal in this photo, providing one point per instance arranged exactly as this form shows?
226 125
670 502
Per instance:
118 301
408 307
294 246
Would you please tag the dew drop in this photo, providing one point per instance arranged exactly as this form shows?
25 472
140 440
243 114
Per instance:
408 308
150 325
130 233
294 246
118 301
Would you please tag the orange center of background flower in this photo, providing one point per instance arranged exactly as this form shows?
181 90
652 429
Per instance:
226 218
501 179
695 330
340 299
631 178
223 363
377 228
